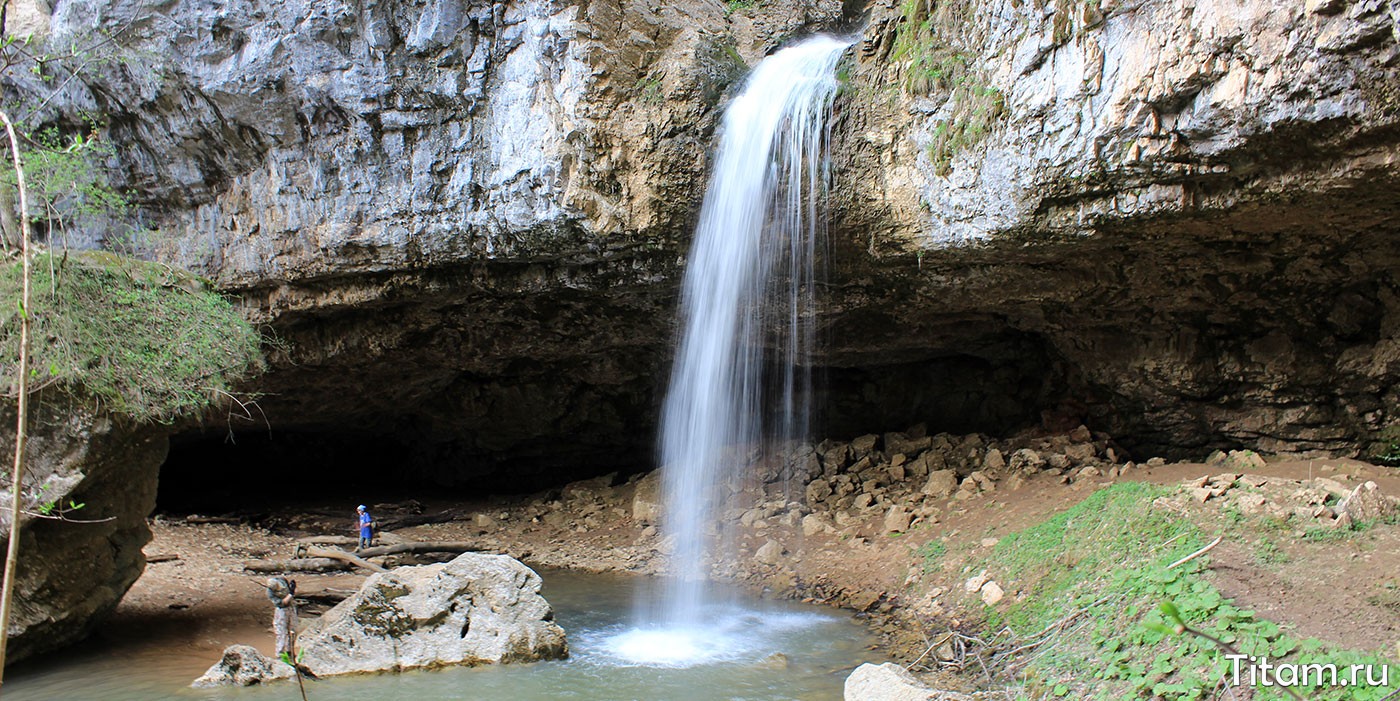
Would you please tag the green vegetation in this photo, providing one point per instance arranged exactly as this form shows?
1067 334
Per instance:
732 6
63 184
976 110
1098 574
139 339
928 39
931 552
648 89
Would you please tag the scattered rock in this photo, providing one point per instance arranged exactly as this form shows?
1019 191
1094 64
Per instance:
975 583
1367 503
1250 503
994 461
941 483
992 593
813 524
771 553
646 501
897 520
243 665
864 445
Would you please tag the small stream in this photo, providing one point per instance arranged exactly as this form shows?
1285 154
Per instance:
752 650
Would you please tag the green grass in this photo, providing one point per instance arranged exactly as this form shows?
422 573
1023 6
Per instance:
138 339
931 553
1109 557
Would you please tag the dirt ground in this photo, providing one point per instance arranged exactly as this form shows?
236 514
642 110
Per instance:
197 596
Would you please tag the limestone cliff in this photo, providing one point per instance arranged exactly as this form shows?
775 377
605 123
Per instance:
1190 207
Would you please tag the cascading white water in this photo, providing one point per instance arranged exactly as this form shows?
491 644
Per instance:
737 387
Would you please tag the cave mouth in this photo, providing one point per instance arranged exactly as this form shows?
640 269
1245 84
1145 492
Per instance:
386 458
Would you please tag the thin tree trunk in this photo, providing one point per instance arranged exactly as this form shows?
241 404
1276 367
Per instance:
22 385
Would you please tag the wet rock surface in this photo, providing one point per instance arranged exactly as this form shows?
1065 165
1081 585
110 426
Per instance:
243 665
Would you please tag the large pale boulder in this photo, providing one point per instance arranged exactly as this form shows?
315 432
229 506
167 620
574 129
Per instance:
646 500
890 682
476 609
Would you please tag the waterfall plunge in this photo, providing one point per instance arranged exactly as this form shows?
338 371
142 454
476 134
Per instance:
737 387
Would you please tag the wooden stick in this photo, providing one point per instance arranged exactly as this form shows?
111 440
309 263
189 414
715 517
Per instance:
427 547
1196 554
22 410
297 564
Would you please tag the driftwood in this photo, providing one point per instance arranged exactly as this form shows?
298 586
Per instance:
428 547
297 564
313 551
329 540
165 557
325 597
310 558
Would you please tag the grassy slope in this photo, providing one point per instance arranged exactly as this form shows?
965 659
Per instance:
1108 557
139 339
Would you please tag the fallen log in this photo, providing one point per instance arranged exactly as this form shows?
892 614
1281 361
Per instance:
313 551
297 564
327 597
426 547
329 540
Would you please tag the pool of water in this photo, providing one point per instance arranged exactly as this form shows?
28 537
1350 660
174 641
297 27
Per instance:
748 650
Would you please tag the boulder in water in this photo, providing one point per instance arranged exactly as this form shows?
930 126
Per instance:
475 609
243 665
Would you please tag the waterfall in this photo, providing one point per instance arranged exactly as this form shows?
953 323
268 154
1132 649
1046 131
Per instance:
738 387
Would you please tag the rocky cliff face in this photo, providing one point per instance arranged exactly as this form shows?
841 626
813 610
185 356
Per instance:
77 562
476 209
1189 206
1177 225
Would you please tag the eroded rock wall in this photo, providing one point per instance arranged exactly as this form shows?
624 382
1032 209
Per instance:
1192 205
76 563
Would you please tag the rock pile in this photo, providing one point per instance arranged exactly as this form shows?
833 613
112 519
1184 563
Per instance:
902 474
1321 500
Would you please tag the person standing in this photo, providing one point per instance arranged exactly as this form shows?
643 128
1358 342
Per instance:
366 528
281 591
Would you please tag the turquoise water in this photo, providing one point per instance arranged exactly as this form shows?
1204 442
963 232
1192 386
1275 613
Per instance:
751 650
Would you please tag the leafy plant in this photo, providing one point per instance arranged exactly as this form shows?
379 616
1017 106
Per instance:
931 552
732 6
